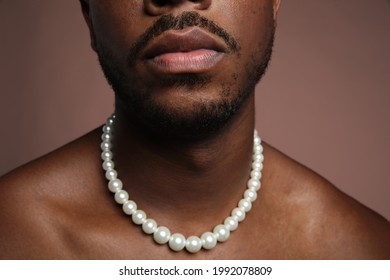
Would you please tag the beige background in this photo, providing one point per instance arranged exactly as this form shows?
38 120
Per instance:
325 100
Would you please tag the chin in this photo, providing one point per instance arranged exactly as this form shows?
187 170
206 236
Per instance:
187 117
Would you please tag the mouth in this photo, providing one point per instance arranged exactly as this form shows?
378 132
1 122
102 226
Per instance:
188 51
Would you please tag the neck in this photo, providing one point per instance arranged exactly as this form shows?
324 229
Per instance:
163 176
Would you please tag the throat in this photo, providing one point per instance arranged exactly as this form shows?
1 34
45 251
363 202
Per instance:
192 178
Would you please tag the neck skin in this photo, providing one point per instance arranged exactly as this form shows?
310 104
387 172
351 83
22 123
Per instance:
191 183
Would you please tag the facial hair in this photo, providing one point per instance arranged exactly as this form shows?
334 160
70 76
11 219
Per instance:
206 117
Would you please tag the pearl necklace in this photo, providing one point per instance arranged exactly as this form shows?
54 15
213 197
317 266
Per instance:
161 234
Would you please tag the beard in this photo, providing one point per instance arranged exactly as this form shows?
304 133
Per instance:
204 117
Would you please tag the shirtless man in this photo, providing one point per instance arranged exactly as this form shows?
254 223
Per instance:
182 142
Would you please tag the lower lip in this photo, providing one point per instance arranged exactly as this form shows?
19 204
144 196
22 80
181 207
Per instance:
197 61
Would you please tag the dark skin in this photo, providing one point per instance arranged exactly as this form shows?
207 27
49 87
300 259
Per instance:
58 207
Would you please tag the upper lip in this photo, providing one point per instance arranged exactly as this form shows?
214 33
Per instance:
183 41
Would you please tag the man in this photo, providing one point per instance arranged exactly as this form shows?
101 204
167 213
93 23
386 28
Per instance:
181 148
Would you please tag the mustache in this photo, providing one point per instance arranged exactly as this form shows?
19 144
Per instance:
186 19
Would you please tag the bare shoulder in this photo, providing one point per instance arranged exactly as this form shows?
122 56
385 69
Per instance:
328 223
36 199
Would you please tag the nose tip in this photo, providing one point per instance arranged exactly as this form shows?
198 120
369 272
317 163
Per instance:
159 7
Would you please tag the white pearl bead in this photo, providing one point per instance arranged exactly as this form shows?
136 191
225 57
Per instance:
256 175
258 149
115 185
193 244
209 240
162 235
121 196
259 157
110 120
231 223
149 226
108 164
256 141
177 242
245 204
111 174
258 166
221 232
239 214
106 155
107 129
106 145
139 217
129 207
254 184
106 137
250 194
